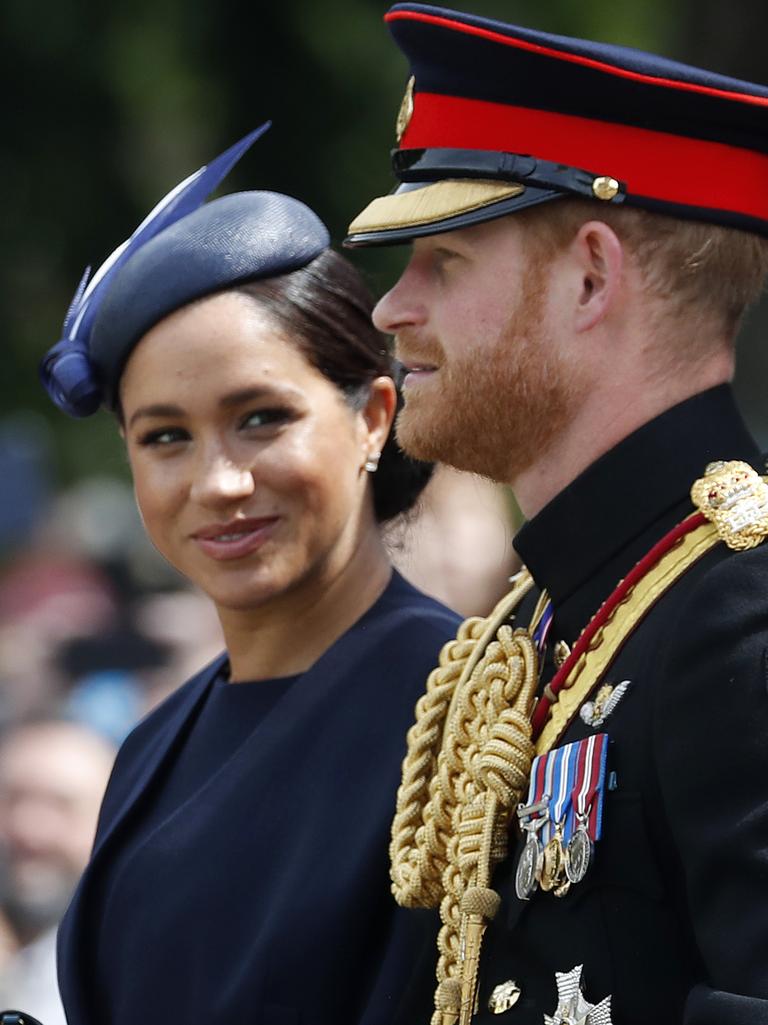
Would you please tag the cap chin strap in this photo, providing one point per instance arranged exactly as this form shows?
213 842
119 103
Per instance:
429 165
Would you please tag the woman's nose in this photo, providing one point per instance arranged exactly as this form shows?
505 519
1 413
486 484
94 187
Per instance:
220 479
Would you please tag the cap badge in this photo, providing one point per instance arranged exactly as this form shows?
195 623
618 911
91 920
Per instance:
605 187
504 997
406 110
572 1008
734 498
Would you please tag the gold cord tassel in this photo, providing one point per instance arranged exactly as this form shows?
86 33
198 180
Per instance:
469 755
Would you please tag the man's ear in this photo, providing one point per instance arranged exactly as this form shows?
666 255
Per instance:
600 259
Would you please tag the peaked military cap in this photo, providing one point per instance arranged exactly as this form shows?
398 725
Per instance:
497 118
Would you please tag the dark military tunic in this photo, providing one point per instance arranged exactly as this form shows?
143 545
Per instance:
672 918
240 872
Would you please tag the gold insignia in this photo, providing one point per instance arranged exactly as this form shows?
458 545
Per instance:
504 997
594 713
734 498
560 653
605 187
406 110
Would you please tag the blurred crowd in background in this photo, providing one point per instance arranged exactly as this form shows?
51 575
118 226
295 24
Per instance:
94 631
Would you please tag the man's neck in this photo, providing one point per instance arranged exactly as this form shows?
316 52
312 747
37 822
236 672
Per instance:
602 421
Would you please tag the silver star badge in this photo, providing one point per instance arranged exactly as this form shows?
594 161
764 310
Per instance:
572 1008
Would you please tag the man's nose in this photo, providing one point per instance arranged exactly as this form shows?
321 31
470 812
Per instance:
402 306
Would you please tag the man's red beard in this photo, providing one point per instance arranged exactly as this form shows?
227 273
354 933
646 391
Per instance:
494 410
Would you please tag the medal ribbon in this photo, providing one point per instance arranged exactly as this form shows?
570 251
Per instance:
541 632
560 773
537 786
549 777
589 783
565 785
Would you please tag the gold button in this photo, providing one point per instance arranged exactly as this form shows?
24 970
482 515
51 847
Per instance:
504 997
605 187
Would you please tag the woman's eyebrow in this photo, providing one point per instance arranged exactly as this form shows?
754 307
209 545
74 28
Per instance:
158 409
236 398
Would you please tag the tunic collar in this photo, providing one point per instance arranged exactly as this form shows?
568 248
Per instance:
631 496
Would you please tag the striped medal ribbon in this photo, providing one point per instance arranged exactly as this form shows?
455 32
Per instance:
543 626
587 799
562 816
560 776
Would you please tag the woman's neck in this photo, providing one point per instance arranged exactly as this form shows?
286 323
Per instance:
288 634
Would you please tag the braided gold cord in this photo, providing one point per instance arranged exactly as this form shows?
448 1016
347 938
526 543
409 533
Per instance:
418 848
469 754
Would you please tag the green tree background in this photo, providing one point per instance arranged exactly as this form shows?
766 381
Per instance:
107 105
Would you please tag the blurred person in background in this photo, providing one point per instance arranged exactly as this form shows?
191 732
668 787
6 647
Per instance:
52 778
242 844
458 547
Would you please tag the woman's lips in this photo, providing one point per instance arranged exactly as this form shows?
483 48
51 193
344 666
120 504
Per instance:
234 540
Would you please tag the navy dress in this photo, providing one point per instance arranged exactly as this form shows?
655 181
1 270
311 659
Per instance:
239 873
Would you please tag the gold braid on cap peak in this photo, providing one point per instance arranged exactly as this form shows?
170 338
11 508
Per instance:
468 761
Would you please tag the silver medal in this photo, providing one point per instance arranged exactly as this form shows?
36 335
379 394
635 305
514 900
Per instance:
528 868
578 855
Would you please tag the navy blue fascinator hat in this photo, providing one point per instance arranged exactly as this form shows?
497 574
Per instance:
184 250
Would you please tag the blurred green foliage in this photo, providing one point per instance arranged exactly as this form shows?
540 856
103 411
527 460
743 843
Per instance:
106 106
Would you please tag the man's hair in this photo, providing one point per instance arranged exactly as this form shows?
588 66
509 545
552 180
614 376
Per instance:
697 270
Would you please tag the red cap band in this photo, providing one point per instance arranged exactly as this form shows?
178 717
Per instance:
656 165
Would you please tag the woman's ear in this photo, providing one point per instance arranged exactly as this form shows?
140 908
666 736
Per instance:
599 255
378 414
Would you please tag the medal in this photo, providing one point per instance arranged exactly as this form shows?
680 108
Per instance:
528 868
532 817
553 863
578 855
587 806
563 817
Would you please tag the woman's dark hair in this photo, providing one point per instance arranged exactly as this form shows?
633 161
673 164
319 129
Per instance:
325 307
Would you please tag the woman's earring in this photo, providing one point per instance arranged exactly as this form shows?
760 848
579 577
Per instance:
372 462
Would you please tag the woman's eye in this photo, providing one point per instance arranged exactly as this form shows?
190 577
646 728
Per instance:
265 417
164 436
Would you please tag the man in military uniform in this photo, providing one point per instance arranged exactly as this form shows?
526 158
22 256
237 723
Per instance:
586 790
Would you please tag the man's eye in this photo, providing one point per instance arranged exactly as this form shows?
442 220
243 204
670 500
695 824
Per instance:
443 257
163 436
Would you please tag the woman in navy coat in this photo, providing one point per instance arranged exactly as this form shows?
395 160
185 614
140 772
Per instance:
239 873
